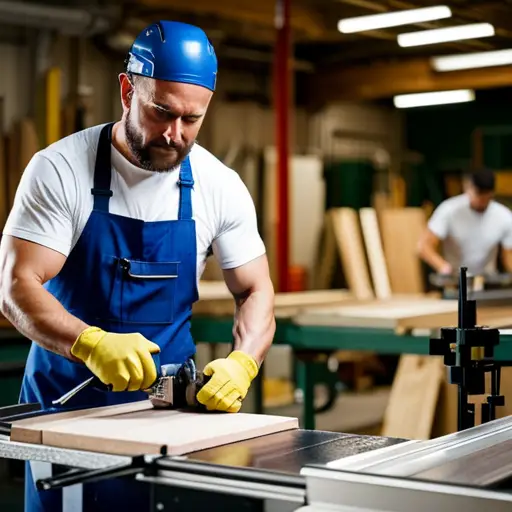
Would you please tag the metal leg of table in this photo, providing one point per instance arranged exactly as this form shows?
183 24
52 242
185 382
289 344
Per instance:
306 382
72 498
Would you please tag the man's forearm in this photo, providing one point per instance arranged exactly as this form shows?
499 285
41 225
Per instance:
432 258
255 324
39 316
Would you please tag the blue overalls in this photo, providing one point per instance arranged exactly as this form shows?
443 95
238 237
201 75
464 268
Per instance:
124 275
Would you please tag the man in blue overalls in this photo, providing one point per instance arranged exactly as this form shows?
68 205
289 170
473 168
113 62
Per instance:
108 237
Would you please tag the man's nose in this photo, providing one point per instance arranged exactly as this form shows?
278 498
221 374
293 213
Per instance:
173 131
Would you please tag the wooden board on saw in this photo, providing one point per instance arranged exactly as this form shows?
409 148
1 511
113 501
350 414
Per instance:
401 229
216 300
414 396
138 428
401 314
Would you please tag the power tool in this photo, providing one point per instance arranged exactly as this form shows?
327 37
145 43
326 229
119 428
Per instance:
176 386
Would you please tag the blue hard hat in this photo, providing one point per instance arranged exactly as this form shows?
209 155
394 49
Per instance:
174 51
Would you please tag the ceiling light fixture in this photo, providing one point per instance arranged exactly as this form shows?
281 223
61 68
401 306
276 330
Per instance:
444 35
425 99
393 19
472 60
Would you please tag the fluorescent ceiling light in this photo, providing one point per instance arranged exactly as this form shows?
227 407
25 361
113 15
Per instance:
472 60
425 99
393 19
443 35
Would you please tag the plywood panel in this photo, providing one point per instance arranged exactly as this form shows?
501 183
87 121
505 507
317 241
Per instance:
375 252
350 245
136 429
401 229
327 252
414 395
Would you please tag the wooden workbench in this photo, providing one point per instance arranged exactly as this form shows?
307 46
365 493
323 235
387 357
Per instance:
401 314
215 299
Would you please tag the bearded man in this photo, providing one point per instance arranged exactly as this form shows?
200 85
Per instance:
102 252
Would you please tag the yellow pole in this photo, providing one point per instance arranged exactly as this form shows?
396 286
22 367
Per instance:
53 117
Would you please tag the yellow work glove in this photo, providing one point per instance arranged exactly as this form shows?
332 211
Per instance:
230 379
123 361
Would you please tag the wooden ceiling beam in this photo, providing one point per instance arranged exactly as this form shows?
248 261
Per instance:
262 12
384 80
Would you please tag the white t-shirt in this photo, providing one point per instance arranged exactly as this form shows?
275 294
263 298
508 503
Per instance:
470 238
54 201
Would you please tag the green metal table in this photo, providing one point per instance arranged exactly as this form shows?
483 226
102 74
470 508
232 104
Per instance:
308 342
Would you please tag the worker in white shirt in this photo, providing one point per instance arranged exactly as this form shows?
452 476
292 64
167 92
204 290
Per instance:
471 228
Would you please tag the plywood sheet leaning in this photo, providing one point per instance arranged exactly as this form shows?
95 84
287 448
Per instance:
327 252
138 428
414 395
375 252
401 229
350 245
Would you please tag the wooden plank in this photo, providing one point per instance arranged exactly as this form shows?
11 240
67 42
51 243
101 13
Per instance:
388 314
215 299
327 253
385 79
375 252
138 428
350 245
401 315
401 228
414 395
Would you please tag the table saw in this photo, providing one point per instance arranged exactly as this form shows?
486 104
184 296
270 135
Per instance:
300 470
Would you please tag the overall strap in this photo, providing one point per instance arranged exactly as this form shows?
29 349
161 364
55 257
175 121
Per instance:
103 170
186 182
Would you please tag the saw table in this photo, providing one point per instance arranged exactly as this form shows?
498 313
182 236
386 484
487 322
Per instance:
306 471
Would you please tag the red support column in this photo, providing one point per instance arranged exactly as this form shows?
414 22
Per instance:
282 107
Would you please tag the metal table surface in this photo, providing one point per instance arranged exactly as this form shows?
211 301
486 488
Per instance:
478 457
285 452
289 451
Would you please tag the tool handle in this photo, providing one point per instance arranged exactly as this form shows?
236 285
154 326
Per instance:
96 383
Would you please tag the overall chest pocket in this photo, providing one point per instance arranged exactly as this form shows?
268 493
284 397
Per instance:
146 290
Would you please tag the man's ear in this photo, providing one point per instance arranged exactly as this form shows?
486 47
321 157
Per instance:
126 91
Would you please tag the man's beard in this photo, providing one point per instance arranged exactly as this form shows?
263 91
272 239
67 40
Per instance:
156 155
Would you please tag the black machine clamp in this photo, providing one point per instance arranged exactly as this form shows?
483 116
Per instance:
468 351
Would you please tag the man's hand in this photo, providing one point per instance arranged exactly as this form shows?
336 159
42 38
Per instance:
123 361
229 383
446 269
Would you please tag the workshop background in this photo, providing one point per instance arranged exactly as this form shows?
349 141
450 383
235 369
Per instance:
347 207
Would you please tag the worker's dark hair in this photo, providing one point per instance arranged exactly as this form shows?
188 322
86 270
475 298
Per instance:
482 179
